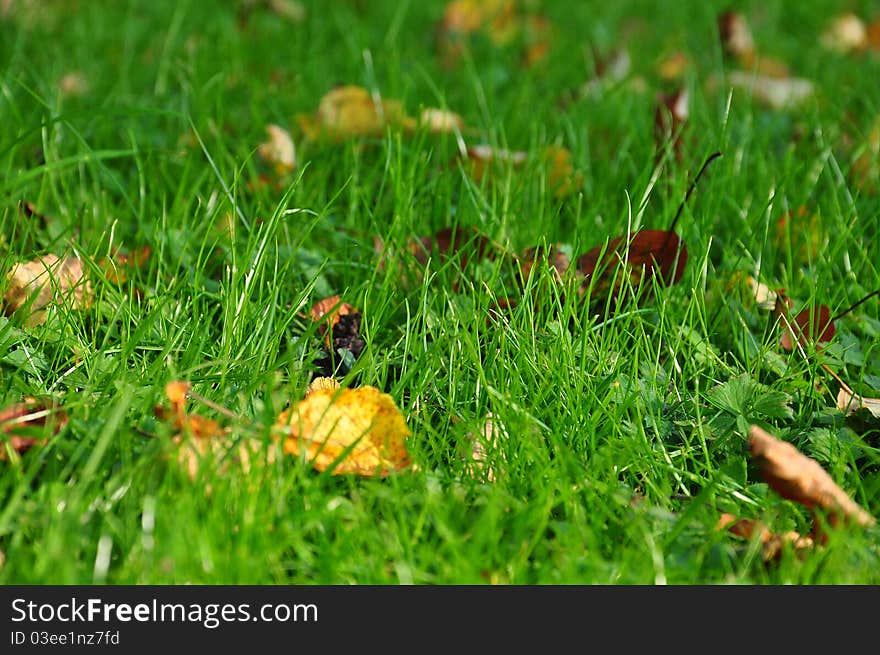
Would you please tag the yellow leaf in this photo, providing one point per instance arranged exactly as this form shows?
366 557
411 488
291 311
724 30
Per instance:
440 121
351 111
361 428
279 151
45 281
561 176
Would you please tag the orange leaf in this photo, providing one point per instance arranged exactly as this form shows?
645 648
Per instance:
361 428
812 325
800 478
771 543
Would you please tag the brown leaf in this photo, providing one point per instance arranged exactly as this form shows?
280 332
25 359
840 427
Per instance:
46 281
484 443
328 311
799 478
648 253
25 425
812 325
279 151
340 324
552 257
772 543
120 265
357 431
736 37
673 66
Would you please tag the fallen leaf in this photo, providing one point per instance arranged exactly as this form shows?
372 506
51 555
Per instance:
850 402
777 93
440 121
846 33
799 478
672 66
873 34
484 443
801 232
551 256
290 10
736 37
73 84
25 425
562 180
279 151
340 323
357 431
538 35
484 158
46 281
812 325
669 118
351 111
328 312
772 543
320 383
120 264
646 254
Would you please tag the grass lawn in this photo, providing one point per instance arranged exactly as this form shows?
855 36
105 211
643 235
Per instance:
564 429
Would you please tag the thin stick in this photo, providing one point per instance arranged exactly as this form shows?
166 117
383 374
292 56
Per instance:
852 307
693 186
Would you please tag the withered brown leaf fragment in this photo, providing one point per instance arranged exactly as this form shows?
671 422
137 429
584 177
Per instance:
45 281
812 325
771 543
340 325
550 256
845 34
799 478
850 402
279 151
26 424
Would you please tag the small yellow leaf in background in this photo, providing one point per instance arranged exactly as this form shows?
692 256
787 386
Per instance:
279 151
351 111
482 158
73 84
440 121
362 428
46 281
775 92
846 33
561 176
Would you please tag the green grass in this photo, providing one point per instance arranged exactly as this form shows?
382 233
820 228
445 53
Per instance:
626 435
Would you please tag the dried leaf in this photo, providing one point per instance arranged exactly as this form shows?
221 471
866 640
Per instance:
484 158
290 10
320 383
736 37
846 33
669 118
340 325
441 121
552 257
361 428
772 543
351 111
120 265
73 84
777 93
539 32
328 311
673 66
484 443
812 325
851 402
25 425
648 253
45 281
800 478
562 179
279 151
